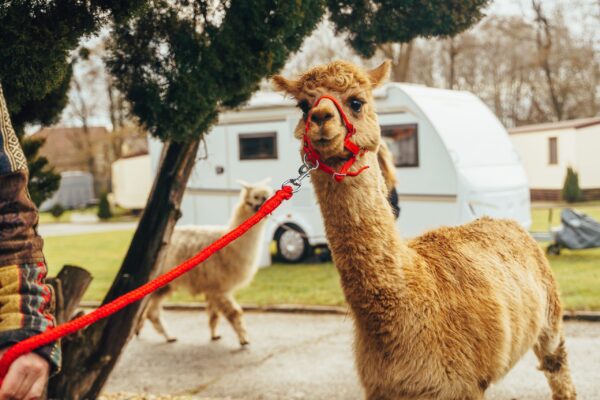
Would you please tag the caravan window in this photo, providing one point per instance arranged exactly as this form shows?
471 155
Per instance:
258 146
403 142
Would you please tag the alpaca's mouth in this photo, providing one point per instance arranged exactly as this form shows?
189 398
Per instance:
323 141
339 159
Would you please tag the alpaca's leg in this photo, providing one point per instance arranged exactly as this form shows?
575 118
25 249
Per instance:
154 313
213 316
142 318
552 354
233 312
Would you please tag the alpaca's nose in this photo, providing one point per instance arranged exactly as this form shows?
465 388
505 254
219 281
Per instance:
323 112
321 116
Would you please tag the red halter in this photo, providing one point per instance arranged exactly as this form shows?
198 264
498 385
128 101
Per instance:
315 157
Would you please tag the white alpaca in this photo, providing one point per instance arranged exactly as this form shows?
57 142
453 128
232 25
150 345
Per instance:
223 273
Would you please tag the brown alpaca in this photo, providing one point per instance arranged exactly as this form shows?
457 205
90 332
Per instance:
441 316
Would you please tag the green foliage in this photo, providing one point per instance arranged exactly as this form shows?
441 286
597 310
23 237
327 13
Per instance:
57 210
180 62
36 38
44 111
370 23
104 211
43 179
571 191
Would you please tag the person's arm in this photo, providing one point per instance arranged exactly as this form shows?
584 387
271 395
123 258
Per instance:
25 299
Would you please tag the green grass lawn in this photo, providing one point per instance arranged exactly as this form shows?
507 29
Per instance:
102 253
578 274
542 217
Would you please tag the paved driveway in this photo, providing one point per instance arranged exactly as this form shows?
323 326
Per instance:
294 356
73 228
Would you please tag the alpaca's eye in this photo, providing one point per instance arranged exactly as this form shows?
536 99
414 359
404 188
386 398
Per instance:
303 105
356 105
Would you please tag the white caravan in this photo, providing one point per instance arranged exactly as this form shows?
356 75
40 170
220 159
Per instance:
454 160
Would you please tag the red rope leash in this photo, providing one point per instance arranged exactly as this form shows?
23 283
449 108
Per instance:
51 335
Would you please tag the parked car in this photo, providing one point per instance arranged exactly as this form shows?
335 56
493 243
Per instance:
577 231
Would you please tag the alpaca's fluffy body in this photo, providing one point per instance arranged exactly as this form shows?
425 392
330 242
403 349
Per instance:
228 270
441 316
223 273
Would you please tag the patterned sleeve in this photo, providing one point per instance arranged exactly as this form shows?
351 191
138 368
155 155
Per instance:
25 299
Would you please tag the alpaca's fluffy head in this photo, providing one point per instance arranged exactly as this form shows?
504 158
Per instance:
254 194
352 87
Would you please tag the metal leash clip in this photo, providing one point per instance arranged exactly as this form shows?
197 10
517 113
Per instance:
303 172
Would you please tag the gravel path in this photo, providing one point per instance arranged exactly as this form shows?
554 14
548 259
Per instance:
295 356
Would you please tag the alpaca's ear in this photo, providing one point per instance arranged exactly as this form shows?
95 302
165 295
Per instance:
380 74
244 184
282 84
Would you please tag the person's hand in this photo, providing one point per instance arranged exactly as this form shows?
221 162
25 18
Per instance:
26 378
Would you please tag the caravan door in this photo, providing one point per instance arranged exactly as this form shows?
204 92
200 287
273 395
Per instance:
208 196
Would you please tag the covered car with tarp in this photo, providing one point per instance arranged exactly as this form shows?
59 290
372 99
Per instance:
577 231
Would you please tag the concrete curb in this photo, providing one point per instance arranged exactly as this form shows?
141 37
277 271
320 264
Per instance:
278 308
590 316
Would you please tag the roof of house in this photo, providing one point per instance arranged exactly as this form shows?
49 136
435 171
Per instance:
63 146
549 126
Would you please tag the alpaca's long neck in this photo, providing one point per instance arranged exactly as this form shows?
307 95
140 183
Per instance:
362 234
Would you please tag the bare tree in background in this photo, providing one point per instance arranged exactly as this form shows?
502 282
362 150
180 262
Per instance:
544 36
83 106
513 66
94 98
533 68
400 56
322 46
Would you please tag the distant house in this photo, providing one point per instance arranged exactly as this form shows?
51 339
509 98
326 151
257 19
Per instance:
132 180
546 150
71 149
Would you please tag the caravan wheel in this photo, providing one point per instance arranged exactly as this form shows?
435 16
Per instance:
292 245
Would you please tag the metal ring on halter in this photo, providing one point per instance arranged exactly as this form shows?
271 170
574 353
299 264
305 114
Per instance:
308 163
303 172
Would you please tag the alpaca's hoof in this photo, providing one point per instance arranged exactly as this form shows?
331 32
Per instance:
217 337
171 339
244 343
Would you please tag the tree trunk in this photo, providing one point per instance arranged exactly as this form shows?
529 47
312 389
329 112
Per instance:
400 59
452 52
89 358
69 287
544 44
401 71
